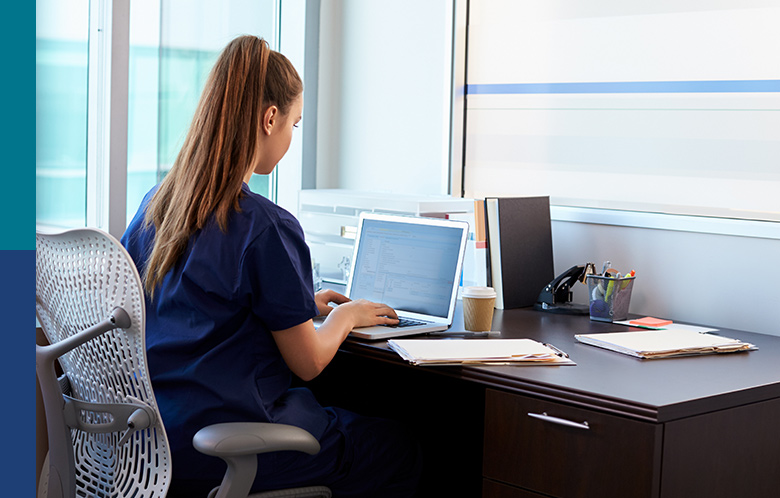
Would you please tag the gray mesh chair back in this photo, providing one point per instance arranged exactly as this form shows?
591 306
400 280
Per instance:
106 437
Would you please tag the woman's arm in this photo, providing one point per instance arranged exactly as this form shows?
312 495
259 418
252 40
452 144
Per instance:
307 351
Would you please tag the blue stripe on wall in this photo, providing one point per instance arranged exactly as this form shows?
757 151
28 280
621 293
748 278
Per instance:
725 86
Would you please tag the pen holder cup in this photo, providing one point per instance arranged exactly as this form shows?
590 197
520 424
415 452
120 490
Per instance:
609 297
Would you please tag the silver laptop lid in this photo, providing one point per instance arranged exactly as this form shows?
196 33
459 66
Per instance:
412 264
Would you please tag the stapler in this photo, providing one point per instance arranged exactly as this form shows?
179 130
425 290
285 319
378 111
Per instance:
556 296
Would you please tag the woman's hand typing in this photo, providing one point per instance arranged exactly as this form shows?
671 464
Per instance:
363 313
324 297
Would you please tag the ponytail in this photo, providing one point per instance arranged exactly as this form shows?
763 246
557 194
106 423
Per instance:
206 177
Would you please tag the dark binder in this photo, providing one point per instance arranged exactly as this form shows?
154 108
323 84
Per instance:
518 232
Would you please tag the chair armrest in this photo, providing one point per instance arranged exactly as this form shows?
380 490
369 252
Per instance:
250 438
239 443
118 318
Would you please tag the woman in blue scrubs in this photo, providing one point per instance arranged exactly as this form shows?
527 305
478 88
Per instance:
230 302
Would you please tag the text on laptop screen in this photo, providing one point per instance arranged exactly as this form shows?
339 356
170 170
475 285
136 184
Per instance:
406 266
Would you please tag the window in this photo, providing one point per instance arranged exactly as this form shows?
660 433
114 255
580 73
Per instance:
61 76
171 48
668 107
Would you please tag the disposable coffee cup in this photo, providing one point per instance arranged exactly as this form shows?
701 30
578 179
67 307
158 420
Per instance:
478 305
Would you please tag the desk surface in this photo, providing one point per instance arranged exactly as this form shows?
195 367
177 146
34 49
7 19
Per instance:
653 390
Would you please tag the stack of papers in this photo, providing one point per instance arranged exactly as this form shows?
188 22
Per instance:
664 343
478 351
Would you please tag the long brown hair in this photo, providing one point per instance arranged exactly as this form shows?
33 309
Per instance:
219 149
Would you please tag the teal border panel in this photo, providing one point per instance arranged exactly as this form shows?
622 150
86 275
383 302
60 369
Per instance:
17 128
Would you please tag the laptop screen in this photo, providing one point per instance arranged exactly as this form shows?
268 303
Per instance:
410 266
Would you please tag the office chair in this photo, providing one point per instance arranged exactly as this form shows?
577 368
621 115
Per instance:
106 436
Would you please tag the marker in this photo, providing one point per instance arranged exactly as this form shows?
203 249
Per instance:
492 333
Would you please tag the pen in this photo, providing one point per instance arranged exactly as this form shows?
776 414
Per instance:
492 333
559 352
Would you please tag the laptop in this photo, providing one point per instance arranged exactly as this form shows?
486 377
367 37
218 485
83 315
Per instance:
413 265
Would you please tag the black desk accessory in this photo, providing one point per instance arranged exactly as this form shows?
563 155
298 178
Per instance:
556 296
519 248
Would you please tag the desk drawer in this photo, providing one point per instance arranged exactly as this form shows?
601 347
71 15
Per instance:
565 451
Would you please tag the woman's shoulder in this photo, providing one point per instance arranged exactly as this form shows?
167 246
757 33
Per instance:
263 212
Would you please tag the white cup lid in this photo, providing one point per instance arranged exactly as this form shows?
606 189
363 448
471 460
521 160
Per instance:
479 292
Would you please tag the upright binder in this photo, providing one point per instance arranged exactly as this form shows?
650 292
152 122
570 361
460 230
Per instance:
519 248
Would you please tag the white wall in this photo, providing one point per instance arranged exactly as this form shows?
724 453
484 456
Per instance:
384 95
718 280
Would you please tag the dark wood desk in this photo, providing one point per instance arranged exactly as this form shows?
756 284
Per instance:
684 427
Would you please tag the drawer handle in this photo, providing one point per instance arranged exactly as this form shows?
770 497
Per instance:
560 421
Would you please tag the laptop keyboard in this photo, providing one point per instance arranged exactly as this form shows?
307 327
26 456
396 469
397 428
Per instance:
407 322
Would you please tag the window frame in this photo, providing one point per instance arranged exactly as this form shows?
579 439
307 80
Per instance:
107 127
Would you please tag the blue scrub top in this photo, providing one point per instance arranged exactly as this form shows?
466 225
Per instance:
210 351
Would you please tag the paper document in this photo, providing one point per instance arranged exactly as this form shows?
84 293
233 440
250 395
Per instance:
664 343
477 351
